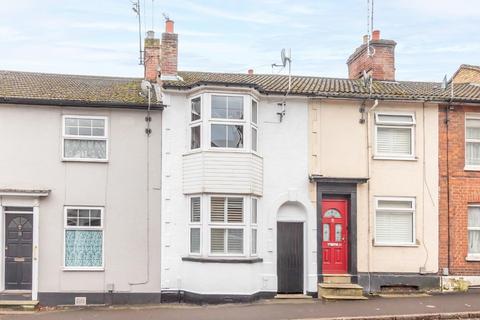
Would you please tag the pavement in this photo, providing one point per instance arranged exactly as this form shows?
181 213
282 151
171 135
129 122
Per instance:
457 305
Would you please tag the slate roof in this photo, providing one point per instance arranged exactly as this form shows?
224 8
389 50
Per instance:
329 87
63 89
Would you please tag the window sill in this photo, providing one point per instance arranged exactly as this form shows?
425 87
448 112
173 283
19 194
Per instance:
223 260
85 160
473 258
413 158
406 245
72 269
471 168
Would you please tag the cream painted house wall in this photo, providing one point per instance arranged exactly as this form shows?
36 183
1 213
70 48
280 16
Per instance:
31 158
340 146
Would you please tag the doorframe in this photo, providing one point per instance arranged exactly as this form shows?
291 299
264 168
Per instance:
305 251
23 202
346 191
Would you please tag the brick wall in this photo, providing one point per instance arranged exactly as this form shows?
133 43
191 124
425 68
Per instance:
464 189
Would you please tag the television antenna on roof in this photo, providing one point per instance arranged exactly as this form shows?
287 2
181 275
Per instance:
286 58
136 8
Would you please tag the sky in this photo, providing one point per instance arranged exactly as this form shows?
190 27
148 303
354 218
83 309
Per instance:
100 37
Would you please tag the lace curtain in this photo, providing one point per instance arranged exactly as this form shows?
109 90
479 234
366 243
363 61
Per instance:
474 235
83 248
85 149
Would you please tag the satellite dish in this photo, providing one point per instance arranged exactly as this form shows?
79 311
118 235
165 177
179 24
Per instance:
285 56
146 87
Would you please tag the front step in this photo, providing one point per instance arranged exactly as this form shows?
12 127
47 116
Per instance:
343 291
292 296
18 305
337 278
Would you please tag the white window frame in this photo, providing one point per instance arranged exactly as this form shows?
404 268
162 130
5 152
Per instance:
195 123
472 256
470 116
227 225
253 126
413 210
253 226
79 137
224 121
195 225
395 124
100 228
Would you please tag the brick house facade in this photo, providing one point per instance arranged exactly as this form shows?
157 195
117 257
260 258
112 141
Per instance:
459 189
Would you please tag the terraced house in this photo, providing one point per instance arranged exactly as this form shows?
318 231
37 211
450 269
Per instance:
201 186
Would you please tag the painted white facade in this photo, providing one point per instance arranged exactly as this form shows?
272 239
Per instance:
122 186
276 174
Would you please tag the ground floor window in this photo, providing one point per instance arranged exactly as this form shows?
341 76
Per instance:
83 238
394 221
223 222
474 231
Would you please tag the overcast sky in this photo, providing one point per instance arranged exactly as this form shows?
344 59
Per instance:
101 36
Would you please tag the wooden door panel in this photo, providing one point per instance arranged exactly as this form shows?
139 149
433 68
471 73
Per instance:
290 257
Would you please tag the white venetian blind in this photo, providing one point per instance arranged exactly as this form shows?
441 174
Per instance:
235 240
195 209
394 141
234 210
217 209
394 222
217 240
195 240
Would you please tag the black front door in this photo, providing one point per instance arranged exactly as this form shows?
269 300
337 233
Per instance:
18 251
290 257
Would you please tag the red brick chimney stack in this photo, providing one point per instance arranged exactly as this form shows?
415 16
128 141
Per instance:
169 52
151 57
381 62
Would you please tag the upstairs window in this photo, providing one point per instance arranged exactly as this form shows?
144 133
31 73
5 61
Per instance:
254 125
85 138
394 135
227 128
472 142
195 123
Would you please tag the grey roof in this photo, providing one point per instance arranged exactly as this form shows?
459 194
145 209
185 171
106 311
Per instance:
329 87
46 88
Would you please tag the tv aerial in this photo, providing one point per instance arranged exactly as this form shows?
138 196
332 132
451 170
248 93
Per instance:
286 59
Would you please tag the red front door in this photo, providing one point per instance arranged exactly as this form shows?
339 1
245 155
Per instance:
335 242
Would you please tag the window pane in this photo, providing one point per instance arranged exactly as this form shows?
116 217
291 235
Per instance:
219 135
473 217
235 241
254 210
395 141
98 123
234 210
195 209
473 153
395 118
235 136
474 241
254 139
394 227
196 109
235 108
85 123
73 131
195 138
219 107
71 122
254 241
217 209
217 240
338 232
98 132
85 131
473 129
326 232
332 213
195 240
83 248
395 204
85 149
254 111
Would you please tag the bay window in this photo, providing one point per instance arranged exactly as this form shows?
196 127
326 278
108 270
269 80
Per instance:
394 135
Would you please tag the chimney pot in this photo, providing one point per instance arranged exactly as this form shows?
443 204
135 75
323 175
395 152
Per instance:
150 34
376 35
250 71
365 39
169 24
